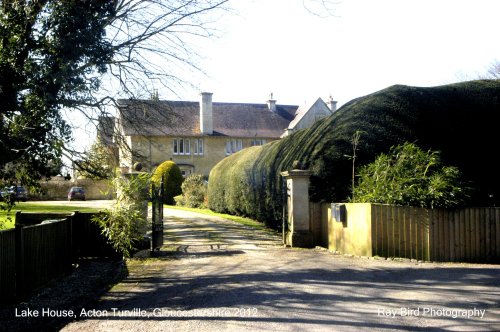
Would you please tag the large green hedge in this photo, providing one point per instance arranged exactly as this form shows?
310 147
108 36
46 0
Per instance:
460 120
170 173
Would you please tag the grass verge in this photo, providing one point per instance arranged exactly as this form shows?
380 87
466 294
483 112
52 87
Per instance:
7 217
241 220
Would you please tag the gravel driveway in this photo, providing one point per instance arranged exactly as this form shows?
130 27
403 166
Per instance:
216 275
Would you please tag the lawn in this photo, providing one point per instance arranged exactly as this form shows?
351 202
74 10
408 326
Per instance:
33 207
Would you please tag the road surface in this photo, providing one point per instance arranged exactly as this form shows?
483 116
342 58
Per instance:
216 275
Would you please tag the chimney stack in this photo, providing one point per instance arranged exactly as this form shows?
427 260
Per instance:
271 103
206 114
332 104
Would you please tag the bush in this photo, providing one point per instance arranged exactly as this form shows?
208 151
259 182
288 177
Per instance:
410 176
194 191
172 178
179 200
458 119
125 223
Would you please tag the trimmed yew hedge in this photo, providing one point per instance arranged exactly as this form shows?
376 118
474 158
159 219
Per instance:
170 173
460 120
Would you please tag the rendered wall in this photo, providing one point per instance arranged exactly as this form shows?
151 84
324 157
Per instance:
354 235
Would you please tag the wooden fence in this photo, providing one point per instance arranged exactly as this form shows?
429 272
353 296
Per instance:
7 265
465 235
35 253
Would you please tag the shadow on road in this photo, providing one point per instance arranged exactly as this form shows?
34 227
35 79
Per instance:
334 296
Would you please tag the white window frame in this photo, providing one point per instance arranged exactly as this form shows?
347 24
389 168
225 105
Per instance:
233 145
198 148
181 146
258 142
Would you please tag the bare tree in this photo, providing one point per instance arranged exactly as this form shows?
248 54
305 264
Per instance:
321 8
151 49
494 70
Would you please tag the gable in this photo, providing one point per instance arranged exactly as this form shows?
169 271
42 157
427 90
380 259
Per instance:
307 115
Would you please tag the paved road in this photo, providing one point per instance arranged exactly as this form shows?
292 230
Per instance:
215 275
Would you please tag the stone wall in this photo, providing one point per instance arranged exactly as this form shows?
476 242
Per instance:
58 189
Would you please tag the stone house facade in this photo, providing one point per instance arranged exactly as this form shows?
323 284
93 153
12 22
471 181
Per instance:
197 135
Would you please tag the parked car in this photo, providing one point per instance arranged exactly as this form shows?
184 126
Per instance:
76 193
18 193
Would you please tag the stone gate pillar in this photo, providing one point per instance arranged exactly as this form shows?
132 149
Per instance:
299 232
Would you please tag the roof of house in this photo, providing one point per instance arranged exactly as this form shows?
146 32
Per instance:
182 118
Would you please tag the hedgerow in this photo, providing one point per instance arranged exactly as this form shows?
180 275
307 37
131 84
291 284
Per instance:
459 120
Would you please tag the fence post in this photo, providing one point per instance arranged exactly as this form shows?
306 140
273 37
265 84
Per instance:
298 233
72 255
19 248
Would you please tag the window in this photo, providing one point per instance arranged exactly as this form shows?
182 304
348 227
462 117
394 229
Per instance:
185 172
233 146
198 146
182 146
257 142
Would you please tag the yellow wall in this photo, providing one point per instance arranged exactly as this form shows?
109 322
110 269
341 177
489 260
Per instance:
157 149
58 189
354 236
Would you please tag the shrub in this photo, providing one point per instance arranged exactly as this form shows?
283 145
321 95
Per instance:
410 176
230 184
458 119
179 200
125 223
194 191
172 178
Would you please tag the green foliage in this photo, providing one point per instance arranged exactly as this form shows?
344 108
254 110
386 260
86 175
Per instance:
54 56
230 183
194 192
125 223
179 200
51 55
410 176
171 175
459 120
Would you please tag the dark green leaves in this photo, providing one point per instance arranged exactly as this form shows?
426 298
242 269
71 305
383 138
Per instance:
410 176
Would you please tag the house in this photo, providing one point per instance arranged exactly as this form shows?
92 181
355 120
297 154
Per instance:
306 115
197 135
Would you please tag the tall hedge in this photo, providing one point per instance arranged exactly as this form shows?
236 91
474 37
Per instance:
172 180
460 120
